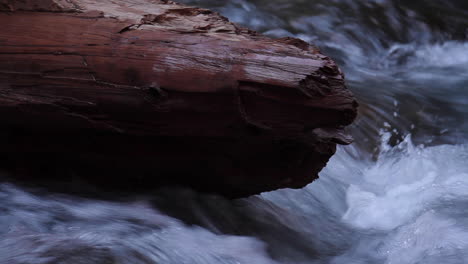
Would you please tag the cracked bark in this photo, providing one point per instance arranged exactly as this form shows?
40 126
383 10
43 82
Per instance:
139 94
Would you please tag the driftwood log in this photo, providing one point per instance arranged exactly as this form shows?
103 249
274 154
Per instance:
143 93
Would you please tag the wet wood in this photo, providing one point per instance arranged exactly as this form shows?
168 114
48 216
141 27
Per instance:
147 93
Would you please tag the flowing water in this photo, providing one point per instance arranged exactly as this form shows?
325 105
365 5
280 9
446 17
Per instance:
399 194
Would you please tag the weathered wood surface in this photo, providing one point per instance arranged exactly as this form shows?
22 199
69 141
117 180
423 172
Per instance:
139 93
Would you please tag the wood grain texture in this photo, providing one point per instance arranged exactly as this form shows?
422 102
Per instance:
140 93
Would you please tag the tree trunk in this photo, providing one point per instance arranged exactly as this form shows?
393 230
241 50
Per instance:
140 93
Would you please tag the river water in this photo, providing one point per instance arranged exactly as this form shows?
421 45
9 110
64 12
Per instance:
399 194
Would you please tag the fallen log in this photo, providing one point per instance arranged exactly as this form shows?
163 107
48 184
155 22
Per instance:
143 93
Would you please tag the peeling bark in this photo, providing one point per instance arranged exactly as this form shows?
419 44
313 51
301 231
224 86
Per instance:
139 93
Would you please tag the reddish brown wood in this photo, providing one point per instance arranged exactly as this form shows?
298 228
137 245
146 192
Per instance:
141 93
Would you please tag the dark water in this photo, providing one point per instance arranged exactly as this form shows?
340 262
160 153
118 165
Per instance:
398 195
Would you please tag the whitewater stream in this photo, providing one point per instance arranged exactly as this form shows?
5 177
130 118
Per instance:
398 195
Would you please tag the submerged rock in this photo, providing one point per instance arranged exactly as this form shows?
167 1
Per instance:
150 93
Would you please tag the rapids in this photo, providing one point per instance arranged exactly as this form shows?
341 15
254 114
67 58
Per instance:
398 195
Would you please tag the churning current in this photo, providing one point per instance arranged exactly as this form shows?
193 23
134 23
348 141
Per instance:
398 195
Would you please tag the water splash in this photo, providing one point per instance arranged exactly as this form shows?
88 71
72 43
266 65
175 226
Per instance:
406 206
53 229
